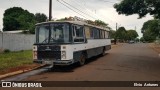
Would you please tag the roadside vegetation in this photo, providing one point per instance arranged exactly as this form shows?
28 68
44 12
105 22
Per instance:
14 59
151 28
16 18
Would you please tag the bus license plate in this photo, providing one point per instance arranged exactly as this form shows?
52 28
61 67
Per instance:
48 62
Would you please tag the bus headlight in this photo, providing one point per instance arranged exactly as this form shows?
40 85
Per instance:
34 48
34 54
63 55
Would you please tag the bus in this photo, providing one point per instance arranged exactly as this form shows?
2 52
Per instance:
69 42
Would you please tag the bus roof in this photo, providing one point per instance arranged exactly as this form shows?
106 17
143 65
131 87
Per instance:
75 22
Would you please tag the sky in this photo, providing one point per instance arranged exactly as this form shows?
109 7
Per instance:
87 9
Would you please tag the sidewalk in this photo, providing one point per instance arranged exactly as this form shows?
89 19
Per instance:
156 47
19 70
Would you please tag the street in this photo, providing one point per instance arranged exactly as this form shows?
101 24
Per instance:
127 62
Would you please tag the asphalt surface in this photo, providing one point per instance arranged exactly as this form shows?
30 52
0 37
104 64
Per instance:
128 62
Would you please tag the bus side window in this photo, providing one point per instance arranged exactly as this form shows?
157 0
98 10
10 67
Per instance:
106 34
79 34
109 35
92 33
103 34
87 32
96 33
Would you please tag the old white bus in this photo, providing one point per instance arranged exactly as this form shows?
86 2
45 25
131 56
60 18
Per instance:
68 42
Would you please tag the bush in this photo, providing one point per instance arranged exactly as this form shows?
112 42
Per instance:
7 51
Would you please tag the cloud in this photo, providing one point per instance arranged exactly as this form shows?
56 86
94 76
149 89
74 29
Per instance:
98 9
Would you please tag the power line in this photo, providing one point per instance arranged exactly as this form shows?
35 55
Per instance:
78 9
84 8
93 13
107 1
71 9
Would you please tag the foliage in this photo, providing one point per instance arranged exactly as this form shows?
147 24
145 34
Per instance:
140 7
137 39
40 17
121 34
17 18
66 19
32 28
132 34
149 36
142 39
96 22
112 34
7 51
125 35
151 30
100 23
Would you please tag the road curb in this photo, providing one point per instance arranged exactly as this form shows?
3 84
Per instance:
19 72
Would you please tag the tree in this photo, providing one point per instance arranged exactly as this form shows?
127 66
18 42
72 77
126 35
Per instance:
142 39
17 18
112 34
140 7
151 30
121 34
152 25
148 36
132 34
40 17
100 23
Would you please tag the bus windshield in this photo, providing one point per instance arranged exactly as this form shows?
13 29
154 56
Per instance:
52 33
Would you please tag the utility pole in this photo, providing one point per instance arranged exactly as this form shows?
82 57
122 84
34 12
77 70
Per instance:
115 37
135 28
50 10
116 26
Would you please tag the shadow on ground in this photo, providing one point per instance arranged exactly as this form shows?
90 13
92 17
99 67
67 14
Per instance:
71 68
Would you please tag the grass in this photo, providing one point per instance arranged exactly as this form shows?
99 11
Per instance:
14 59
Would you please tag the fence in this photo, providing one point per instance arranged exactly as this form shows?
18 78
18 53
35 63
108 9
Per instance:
16 42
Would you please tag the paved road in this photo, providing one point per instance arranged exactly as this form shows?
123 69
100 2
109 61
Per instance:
128 62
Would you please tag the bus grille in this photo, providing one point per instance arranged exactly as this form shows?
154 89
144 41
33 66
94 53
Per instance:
49 55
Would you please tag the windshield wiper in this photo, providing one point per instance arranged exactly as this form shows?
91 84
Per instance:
45 40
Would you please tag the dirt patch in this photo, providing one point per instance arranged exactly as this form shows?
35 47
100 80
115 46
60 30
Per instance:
118 44
156 47
24 67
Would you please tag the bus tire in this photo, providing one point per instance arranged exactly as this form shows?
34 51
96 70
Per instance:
103 52
82 59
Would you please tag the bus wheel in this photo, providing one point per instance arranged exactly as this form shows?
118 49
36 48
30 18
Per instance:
103 52
82 59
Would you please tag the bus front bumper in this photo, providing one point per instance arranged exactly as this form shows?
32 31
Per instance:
52 62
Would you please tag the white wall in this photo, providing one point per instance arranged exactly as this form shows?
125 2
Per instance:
0 40
16 42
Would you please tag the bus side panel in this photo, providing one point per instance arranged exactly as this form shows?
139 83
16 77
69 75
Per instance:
76 56
93 47
94 51
99 50
90 53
